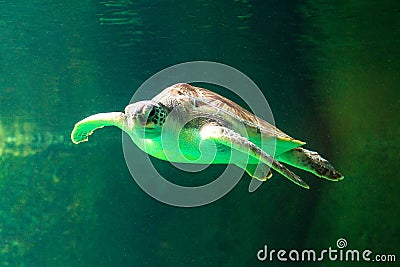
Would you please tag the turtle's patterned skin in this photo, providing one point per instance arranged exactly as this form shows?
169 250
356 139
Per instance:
199 115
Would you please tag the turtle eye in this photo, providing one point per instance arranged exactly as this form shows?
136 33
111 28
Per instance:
152 117
152 112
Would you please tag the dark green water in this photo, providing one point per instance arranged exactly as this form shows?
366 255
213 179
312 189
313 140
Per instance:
329 71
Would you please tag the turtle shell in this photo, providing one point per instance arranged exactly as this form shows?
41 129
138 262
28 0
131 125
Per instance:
202 101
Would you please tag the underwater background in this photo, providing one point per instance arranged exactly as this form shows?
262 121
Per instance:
329 70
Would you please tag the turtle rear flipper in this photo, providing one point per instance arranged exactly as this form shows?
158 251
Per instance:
87 126
310 161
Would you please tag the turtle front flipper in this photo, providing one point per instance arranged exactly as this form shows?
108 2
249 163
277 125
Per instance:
260 171
87 126
311 161
228 137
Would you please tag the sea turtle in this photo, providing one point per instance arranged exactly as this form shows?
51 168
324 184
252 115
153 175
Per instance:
207 115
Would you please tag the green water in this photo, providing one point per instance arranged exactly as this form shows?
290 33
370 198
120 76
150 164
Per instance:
330 72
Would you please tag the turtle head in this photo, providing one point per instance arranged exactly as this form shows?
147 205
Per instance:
145 115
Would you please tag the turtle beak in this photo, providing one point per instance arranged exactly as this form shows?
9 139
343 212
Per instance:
137 114
133 120
129 121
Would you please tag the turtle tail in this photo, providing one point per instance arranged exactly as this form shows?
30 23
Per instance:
87 126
